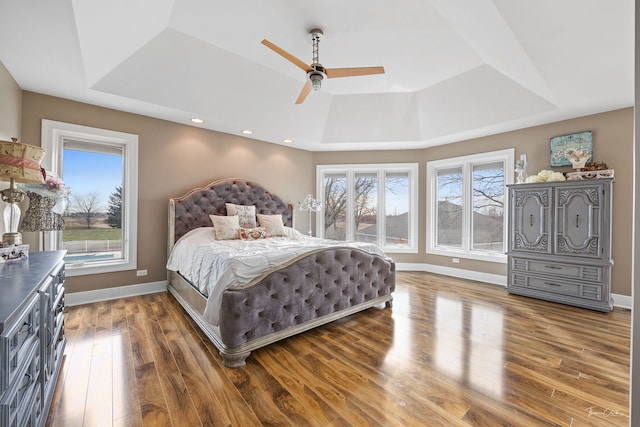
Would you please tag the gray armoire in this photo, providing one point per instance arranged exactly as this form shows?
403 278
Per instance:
560 242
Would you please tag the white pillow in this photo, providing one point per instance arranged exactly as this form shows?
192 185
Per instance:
226 227
273 224
246 214
293 234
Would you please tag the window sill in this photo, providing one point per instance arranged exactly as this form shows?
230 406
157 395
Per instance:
399 250
83 269
478 256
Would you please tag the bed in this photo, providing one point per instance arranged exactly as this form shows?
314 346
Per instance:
305 290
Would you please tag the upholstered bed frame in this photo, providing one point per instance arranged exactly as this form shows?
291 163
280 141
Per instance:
306 292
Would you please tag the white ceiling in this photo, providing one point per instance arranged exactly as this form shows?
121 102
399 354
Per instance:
455 69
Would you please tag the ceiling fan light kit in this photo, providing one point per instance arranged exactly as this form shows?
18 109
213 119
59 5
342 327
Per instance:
316 73
316 77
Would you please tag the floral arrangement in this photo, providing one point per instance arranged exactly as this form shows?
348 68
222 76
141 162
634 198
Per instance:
53 182
546 176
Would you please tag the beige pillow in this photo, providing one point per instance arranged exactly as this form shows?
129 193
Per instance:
272 223
246 214
226 227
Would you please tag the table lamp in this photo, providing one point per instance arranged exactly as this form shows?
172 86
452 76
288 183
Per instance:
18 163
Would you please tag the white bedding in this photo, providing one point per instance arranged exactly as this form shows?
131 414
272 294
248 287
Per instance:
214 265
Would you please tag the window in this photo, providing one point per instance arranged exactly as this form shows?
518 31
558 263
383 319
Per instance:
466 199
369 203
100 167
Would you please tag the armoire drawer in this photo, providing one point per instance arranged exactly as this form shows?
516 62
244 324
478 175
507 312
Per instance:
592 273
557 286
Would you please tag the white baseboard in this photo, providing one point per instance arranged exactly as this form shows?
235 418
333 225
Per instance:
86 297
622 301
494 279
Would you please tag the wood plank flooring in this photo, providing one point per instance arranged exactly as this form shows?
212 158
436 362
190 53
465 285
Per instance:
449 353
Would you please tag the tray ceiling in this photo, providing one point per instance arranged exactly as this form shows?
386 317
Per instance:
454 69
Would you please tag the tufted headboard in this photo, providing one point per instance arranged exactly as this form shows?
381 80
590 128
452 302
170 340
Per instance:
193 209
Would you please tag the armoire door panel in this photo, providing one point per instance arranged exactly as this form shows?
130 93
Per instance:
532 216
578 221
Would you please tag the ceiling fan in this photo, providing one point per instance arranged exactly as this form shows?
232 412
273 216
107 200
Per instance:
316 72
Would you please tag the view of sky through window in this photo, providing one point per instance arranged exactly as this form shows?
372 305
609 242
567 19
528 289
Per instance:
89 172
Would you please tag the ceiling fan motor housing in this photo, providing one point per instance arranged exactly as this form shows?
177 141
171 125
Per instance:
315 72
316 75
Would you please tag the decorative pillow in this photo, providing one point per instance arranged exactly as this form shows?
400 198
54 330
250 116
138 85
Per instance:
253 233
246 214
273 224
225 227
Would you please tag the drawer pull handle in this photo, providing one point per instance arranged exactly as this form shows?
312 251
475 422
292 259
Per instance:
551 284
531 220
27 384
553 267
577 220
22 331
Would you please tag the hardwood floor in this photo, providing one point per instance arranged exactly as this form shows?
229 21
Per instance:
449 353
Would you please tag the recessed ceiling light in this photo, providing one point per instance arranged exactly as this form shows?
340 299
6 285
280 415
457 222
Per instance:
247 132
196 120
287 141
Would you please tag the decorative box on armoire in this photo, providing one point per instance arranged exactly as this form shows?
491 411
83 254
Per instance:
560 242
32 336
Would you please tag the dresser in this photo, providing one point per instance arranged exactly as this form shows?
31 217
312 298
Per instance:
31 336
560 242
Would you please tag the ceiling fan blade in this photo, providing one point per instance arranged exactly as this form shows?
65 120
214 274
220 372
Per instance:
350 72
303 93
286 55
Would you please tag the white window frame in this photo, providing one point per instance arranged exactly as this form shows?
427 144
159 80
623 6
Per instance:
54 135
466 162
381 170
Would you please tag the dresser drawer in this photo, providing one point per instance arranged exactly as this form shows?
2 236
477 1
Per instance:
53 345
58 331
569 270
557 286
17 403
17 340
34 413
58 308
58 282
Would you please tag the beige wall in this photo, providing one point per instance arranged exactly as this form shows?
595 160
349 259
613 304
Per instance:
613 144
10 107
173 159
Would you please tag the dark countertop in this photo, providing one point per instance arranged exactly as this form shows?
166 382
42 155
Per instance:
21 278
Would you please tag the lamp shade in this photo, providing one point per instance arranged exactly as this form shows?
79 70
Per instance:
21 162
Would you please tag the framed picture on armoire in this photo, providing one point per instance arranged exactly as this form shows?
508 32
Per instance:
566 145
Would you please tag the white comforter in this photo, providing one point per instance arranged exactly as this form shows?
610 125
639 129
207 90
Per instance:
214 265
